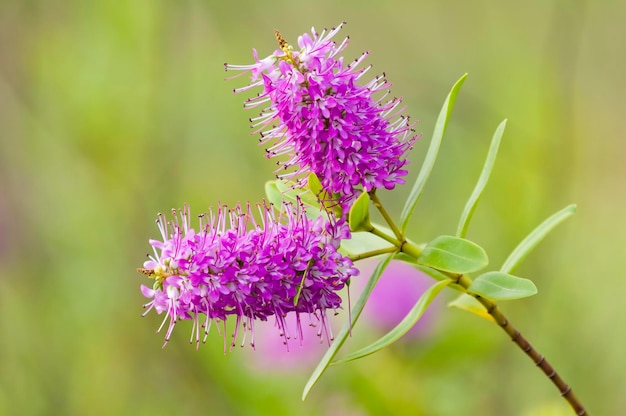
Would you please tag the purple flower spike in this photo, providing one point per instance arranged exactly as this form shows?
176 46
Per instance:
318 115
234 265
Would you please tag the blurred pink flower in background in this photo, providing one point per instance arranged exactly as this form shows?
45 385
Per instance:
398 289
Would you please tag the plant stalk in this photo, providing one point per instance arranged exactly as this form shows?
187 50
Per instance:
379 206
373 253
539 360
492 308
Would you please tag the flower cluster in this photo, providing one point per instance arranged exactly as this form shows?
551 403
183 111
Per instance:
234 265
324 121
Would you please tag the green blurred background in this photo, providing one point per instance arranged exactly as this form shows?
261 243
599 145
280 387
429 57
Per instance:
113 111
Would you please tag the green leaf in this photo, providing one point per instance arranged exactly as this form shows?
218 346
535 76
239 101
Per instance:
435 274
314 184
431 155
469 304
346 329
502 286
359 218
535 237
322 196
279 191
403 327
273 194
292 192
468 211
363 242
403 257
429 271
454 255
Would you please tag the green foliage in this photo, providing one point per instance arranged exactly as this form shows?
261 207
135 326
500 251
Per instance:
347 327
472 202
530 242
315 186
431 156
502 286
272 193
293 193
277 191
112 111
359 218
361 242
409 321
453 255
469 304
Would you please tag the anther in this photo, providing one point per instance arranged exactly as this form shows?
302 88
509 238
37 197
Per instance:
282 43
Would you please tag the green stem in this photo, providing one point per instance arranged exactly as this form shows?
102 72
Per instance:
378 233
379 206
411 250
373 253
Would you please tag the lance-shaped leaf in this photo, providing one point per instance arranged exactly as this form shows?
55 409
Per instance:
502 286
454 255
470 206
535 237
431 155
409 321
345 330
359 218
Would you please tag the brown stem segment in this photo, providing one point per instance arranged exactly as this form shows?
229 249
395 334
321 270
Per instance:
492 308
539 360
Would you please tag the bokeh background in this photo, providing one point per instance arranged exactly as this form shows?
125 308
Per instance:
113 111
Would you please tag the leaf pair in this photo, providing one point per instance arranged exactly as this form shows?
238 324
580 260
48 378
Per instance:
501 285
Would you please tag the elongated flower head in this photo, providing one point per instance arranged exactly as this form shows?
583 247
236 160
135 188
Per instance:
254 270
317 112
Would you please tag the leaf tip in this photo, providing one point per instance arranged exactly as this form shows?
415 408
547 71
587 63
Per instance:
307 389
461 80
